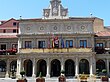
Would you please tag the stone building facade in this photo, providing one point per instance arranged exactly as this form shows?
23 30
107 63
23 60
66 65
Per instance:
57 42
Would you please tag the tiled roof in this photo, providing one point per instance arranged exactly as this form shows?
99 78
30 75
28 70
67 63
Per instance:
103 33
8 36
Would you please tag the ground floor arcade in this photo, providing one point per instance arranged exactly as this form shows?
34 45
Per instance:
51 66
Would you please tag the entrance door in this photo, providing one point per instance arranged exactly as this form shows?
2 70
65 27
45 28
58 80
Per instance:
83 66
69 68
42 67
28 67
55 68
100 65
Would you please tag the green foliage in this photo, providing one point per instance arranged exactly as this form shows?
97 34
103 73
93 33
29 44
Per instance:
63 71
104 71
40 74
22 73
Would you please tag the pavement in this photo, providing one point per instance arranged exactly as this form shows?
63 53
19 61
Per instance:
46 80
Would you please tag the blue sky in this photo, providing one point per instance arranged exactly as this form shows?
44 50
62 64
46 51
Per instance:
33 8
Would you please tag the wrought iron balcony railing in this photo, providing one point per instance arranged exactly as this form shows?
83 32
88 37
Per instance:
8 52
101 50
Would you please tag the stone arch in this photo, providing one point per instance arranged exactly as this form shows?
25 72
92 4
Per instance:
69 68
84 66
28 67
13 65
41 67
55 68
100 65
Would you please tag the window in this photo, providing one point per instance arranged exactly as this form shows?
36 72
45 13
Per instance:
28 44
14 46
14 23
41 44
3 46
14 30
4 31
99 45
69 43
83 43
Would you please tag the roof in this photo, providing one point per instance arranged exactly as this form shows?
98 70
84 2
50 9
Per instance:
8 36
58 20
103 33
7 21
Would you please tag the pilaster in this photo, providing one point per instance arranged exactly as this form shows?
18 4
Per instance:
91 67
107 66
76 67
18 68
7 69
33 74
48 68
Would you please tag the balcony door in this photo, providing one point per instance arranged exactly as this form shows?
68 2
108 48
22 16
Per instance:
3 46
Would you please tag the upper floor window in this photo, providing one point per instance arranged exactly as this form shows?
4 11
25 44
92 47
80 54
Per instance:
3 46
69 43
14 30
28 44
99 45
4 31
14 46
83 43
14 24
41 44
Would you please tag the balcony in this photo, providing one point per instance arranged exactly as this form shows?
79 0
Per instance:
100 50
8 52
55 50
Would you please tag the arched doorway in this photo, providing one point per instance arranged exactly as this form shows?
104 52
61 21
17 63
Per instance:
100 65
83 66
2 68
13 66
28 67
41 67
69 68
55 68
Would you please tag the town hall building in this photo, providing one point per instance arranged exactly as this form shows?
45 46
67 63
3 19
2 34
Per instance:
58 42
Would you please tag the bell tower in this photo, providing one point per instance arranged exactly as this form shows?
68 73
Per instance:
55 11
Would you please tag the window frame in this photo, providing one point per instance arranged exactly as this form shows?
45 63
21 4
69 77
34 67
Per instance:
69 44
83 43
28 44
42 44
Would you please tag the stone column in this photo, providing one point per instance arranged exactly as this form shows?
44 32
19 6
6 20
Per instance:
7 69
48 68
62 64
91 68
34 63
76 67
107 66
18 68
